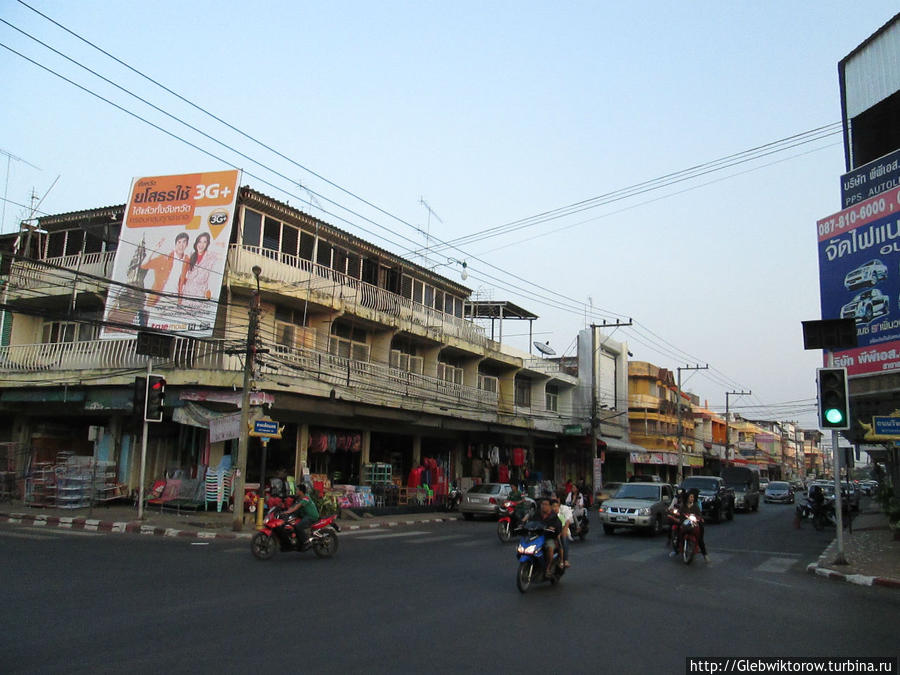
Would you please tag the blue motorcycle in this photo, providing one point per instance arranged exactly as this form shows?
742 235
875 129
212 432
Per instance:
530 554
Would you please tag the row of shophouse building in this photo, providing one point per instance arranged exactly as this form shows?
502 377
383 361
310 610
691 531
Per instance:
366 359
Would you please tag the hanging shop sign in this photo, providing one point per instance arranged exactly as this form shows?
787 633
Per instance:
170 260
265 427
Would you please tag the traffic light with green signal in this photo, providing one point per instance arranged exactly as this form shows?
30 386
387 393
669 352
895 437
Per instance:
834 399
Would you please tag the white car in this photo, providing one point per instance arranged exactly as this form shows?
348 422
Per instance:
866 306
867 274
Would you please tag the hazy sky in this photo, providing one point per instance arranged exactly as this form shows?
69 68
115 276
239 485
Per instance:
490 112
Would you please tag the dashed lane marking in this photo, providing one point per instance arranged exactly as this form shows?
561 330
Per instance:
776 565
394 535
431 540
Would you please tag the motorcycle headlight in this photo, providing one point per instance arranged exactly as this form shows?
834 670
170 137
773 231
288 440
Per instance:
527 550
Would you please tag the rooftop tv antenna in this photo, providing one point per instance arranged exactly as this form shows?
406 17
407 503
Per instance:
428 229
9 158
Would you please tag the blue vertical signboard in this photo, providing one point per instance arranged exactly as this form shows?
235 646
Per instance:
859 278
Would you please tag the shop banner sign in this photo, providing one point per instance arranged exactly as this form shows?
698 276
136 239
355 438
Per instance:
868 180
224 428
859 278
170 260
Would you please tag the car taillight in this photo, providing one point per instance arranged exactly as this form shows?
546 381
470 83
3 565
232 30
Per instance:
492 500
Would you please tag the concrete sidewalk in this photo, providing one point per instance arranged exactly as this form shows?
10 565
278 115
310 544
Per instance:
195 524
871 552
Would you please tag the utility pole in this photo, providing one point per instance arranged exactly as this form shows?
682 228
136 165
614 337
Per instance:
243 441
595 358
727 426
678 403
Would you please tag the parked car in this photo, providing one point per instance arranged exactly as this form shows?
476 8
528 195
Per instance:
868 487
867 274
779 491
637 505
745 483
645 478
606 492
849 494
716 498
867 306
484 500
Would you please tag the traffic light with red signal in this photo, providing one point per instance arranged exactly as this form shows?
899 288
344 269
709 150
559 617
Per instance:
156 398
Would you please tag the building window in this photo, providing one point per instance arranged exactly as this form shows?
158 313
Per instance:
252 228
552 397
307 244
68 331
271 234
523 393
348 342
289 237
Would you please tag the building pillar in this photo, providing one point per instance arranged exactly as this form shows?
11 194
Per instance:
301 453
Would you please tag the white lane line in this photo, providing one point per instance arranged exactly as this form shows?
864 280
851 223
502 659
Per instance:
758 552
18 535
776 565
431 540
474 542
392 535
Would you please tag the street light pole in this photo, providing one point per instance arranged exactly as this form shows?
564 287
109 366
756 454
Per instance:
678 403
727 426
243 440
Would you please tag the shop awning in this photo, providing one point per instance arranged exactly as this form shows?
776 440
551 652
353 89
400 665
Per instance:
617 445
222 426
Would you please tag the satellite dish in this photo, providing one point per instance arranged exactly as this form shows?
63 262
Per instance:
545 348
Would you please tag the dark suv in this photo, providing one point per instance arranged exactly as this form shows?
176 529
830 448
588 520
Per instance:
716 498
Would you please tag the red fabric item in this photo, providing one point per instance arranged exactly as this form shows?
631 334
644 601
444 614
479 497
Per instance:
518 456
503 473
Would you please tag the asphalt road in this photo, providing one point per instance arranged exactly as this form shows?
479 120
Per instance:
434 598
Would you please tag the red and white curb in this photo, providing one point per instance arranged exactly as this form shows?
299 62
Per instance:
821 569
858 579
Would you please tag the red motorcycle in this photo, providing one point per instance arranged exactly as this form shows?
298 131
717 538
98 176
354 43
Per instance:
690 538
279 531
508 521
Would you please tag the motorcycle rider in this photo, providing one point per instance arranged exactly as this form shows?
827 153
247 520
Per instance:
692 506
564 513
516 498
677 504
308 513
551 524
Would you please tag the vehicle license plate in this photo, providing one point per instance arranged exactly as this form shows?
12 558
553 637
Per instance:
622 519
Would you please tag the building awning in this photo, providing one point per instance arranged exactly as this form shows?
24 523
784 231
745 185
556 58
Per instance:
617 445
55 395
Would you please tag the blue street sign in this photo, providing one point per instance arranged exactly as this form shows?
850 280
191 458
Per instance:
887 426
265 427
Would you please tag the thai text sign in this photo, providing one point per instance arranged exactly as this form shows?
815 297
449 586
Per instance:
171 254
870 179
859 278
886 426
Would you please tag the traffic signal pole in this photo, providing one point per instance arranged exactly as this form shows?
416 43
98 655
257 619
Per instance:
144 444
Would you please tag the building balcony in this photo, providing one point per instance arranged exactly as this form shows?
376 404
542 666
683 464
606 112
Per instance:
203 362
322 285
85 272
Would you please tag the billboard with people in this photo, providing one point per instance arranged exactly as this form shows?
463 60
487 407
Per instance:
170 260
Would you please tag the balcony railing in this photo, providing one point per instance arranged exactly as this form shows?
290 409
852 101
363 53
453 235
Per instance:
296 271
28 275
299 363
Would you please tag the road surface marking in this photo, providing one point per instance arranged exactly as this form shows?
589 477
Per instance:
757 552
393 535
447 537
776 565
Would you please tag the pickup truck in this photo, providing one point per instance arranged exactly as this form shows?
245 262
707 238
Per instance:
716 498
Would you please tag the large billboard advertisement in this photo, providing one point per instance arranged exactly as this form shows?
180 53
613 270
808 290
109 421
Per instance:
859 278
170 260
